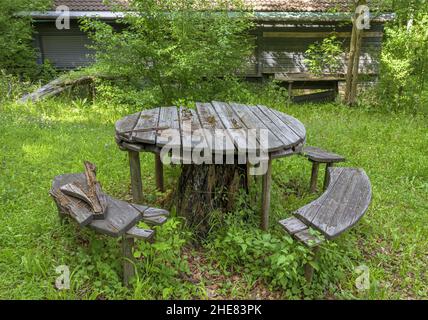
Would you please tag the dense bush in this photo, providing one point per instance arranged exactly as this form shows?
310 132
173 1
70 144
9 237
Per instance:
17 56
179 48
404 61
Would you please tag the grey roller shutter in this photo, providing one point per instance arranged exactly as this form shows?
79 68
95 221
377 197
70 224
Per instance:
66 51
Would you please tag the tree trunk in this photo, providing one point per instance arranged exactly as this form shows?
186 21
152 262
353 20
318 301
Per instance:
205 188
354 60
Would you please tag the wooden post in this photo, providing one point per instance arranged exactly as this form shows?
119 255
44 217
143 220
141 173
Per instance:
336 89
128 259
266 186
354 59
326 175
159 172
136 183
290 91
309 270
314 177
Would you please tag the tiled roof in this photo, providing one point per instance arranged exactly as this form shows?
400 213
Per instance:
299 5
257 5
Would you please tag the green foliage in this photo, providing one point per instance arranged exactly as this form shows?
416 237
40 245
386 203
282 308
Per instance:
177 48
41 140
404 60
325 57
17 55
11 87
404 80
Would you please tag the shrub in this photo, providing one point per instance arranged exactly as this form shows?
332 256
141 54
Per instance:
176 48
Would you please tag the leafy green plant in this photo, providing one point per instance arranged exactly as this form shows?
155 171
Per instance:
17 55
325 57
176 48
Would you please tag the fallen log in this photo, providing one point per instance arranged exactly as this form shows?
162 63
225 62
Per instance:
60 85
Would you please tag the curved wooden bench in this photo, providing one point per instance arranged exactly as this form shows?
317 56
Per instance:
344 202
319 156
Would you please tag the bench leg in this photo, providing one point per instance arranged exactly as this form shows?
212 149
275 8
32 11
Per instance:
128 258
266 186
326 175
309 270
159 172
136 182
314 177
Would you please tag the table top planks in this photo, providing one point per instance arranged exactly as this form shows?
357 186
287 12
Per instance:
235 127
251 121
145 129
168 119
202 128
218 141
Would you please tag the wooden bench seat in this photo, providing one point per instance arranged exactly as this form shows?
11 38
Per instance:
300 231
319 156
344 202
118 218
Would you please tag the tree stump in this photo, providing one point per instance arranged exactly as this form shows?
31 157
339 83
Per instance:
205 188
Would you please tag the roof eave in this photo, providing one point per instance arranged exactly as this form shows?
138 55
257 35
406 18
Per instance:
258 16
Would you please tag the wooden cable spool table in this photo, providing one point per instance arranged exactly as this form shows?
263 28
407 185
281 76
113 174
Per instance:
187 131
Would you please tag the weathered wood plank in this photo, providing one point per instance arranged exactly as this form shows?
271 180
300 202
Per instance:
169 122
308 239
75 190
157 221
319 155
249 119
190 128
291 129
159 172
120 217
282 132
128 259
314 177
139 233
75 208
125 125
293 225
93 190
136 181
148 120
342 205
358 202
155 212
309 211
234 126
334 204
132 147
266 189
219 142
292 122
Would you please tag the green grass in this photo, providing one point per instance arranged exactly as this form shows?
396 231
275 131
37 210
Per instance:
40 141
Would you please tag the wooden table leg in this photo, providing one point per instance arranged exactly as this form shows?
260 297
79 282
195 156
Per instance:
248 178
314 177
326 176
159 172
136 183
128 259
266 186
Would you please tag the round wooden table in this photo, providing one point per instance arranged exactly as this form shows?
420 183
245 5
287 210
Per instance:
150 131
